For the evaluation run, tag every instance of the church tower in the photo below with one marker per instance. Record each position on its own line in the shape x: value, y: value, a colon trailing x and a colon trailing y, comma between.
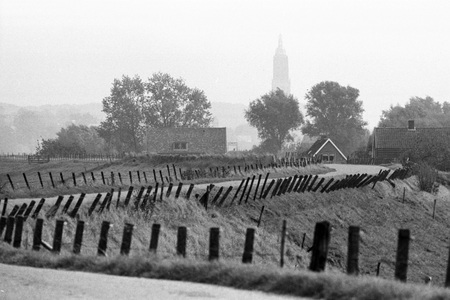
x: 281, y: 69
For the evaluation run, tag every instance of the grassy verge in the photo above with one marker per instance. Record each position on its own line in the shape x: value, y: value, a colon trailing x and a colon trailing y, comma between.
x: 250, y: 277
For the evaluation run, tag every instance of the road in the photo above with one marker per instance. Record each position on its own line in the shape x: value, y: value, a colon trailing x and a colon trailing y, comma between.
x: 25, y: 283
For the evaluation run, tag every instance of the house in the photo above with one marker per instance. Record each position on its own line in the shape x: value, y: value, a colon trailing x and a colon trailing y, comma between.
x: 186, y: 140
x: 390, y: 143
x: 326, y: 151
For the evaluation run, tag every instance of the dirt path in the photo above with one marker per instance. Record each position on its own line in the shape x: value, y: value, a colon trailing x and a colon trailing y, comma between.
x: 23, y: 283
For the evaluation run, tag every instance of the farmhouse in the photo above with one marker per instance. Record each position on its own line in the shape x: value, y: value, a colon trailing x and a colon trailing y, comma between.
x: 186, y: 140
x: 390, y: 143
x: 326, y: 151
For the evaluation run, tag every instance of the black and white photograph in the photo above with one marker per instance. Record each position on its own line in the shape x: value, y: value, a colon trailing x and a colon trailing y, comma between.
x: 225, y: 149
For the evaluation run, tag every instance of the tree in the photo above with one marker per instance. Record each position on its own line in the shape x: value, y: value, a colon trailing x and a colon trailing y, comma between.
x: 335, y: 111
x: 124, y: 125
x: 426, y: 112
x: 274, y: 115
x: 73, y: 139
x: 170, y: 103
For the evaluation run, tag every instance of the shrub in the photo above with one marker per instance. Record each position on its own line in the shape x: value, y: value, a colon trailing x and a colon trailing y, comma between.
x: 427, y: 176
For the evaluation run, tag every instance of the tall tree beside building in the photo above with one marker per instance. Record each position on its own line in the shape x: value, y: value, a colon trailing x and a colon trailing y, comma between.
x: 169, y: 102
x: 426, y: 112
x: 335, y: 110
x: 124, y: 126
x: 274, y: 115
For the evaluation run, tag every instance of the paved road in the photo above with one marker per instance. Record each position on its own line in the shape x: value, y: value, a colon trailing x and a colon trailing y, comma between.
x: 23, y: 283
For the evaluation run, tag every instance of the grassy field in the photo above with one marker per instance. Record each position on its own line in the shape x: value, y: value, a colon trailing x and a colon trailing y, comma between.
x: 380, y: 212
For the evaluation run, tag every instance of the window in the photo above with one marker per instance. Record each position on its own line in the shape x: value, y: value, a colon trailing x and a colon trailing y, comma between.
x: 331, y: 157
x: 325, y: 157
x: 180, y: 146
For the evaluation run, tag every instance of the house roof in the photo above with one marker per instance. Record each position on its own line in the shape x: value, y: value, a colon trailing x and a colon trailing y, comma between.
x: 319, y: 144
x: 403, y: 138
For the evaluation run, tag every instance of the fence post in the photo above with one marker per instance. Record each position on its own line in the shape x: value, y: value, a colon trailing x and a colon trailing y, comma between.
x: 37, y: 235
x: 257, y: 186
x: 181, y: 241
x: 62, y: 178
x: 250, y: 189
x: 126, y: 239
x: 74, y: 179
x: 57, y: 238
x: 9, y: 229
x: 434, y: 208
x: 74, y: 212
x: 103, y: 242
x: 188, y: 195
x: 154, y: 237
x: 401, y: 262
x: 353, y: 251
x: 214, y: 235
x: 78, y: 237
x: 38, y: 209
x: 139, y: 176
x: 67, y: 205
x: 84, y: 178
x: 10, y: 181
x: 3, y: 221
x: 40, y: 179
x: 169, y: 190
x: 161, y: 175
x: 18, y: 232
x: 248, y: 249
x: 320, y: 246
x: 243, y: 191
x: 51, y: 179
x: 177, y: 193
x: 154, y: 175
x: 175, y: 172
x: 283, y: 240
x: 26, y: 180
x: 260, y: 216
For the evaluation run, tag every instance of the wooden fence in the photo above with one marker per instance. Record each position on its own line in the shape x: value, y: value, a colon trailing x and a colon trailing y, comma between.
x: 13, y: 227
x: 163, y: 176
x: 36, y: 159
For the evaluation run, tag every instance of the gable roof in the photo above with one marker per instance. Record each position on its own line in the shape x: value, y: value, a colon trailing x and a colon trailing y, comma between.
x: 403, y: 138
x: 319, y: 144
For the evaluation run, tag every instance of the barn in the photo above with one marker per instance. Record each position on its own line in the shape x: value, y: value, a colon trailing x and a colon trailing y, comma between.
x: 186, y: 140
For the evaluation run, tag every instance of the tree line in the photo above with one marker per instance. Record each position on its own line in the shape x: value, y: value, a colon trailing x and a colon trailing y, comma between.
x: 163, y: 101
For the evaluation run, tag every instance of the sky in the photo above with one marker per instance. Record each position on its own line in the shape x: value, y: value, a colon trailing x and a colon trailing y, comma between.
x: 57, y: 52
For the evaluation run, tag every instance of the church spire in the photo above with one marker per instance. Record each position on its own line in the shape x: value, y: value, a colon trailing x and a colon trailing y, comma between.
x: 281, y: 69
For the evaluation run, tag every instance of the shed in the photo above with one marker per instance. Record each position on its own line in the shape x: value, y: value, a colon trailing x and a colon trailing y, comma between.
x: 326, y: 151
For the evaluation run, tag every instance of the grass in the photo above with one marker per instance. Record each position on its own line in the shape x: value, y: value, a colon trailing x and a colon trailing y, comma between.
x: 380, y: 212
x: 250, y: 277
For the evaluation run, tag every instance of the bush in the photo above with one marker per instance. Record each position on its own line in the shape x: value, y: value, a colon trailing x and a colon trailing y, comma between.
x: 427, y: 177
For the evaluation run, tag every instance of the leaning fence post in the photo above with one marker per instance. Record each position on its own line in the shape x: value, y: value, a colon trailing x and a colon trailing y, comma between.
x: 181, y: 241
x: 434, y: 208
x: 401, y: 262
x: 9, y: 229
x: 260, y: 216
x: 154, y: 237
x: 26, y: 180
x: 177, y: 193
x: 353, y: 250
x: 126, y: 239
x: 57, y: 238
x: 103, y: 242
x: 248, y: 248
x: 18, y: 232
x: 214, y: 235
x: 320, y: 246
x: 10, y: 181
x: 40, y: 179
x: 78, y: 237
x: 37, y: 235
x: 283, y: 240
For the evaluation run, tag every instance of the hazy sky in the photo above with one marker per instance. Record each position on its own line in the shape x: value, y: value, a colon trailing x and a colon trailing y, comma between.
x: 54, y: 52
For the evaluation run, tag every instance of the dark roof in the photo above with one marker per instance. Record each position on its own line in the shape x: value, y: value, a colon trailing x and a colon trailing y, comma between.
x: 319, y: 144
x: 403, y: 138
